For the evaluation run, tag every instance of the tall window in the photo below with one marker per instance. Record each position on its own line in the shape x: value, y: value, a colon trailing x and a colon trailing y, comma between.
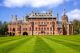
x: 13, y: 29
x: 42, y: 23
x: 47, y: 22
x: 10, y: 29
x: 25, y: 28
x: 47, y: 28
x: 44, y: 28
x: 41, y: 28
x: 51, y: 28
x: 36, y: 29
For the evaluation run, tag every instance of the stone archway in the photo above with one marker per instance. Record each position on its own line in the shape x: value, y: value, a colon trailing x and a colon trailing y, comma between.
x: 42, y: 33
x: 25, y: 33
x: 11, y: 34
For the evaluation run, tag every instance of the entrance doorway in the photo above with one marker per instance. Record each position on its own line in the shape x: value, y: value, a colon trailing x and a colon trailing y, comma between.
x: 43, y: 32
x: 25, y: 33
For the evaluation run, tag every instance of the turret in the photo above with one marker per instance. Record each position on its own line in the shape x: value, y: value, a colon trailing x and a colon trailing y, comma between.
x: 64, y: 18
x: 50, y: 12
x: 14, y: 18
x: 64, y: 22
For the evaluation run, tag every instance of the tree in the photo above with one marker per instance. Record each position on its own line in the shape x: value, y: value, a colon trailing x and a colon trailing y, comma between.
x: 3, y: 29
x: 0, y: 23
x: 76, y: 25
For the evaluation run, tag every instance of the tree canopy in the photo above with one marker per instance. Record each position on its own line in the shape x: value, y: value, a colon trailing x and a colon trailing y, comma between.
x: 76, y: 25
x: 3, y: 28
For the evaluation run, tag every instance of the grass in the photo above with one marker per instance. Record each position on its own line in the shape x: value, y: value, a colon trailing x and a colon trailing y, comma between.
x: 40, y: 44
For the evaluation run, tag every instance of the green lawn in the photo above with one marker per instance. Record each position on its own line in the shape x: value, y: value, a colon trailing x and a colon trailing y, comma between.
x: 40, y: 44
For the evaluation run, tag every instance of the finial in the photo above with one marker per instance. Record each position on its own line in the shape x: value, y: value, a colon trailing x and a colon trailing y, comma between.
x: 14, y: 16
x: 64, y: 12
x: 57, y: 15
x: 33, y: 11
x: 50, y: 10
x: 24, y: 19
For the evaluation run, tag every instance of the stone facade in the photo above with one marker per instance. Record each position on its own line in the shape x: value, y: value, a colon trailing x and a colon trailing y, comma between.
x: 40, y: 24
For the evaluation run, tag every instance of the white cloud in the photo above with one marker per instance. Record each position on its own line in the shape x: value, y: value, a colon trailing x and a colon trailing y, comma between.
x: 74, y: 14
x: 33, y: 3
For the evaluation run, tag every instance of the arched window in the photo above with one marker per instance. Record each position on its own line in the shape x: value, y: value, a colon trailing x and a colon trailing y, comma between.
x: 13, y: 29
x: 25, y: 33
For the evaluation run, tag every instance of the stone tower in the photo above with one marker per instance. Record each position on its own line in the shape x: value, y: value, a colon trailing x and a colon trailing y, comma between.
x: 64, y: 22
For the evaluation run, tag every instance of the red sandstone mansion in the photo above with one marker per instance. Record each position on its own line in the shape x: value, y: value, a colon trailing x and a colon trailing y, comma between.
x: 40, y: 24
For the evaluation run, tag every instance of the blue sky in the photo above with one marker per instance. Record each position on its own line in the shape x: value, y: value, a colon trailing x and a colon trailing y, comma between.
x: 24, y: 7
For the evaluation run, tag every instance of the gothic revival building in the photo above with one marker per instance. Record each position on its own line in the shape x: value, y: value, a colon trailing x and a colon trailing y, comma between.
x: 40, y: 24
